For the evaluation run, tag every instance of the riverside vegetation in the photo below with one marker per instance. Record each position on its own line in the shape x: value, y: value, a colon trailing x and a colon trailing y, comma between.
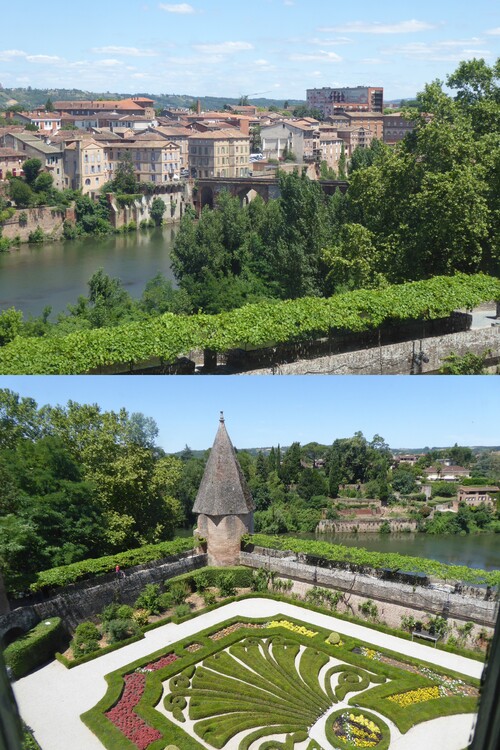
x: 426, y: 208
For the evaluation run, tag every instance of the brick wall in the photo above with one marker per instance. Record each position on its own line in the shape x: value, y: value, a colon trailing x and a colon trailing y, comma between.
x: 49, y: 219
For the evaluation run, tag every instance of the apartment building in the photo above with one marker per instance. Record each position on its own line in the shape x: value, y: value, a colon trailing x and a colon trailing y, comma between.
x: 136, y: 105
x: 330, y: 144
x: 297, y: 136
x: 86, y: 165
x: 221, y: 153
x: 348, y: 99
x: 178, y: 135
x: 32, y: 147
x: 46, y: 122
x: 154, y: 160
x: 10, y: 162
x: 396, y: 127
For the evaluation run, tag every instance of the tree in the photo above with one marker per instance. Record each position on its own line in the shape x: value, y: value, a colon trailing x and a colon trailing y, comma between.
x: 157, y: 210
x: 291, y: 467
x: 21, y: 193
x: 342, y: 163
x: 11, y: 325
x: 49, y: 106
x: 31, y: 169
x: 468, y: 364
x: 125, y: 180
x: 43, y: 183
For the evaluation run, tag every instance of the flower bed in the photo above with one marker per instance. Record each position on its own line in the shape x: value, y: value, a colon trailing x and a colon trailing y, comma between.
x: 123, y: 716
x: 232, y: 628
x: 300, y: 629
x: 348, y: 729
x: 410, y: 697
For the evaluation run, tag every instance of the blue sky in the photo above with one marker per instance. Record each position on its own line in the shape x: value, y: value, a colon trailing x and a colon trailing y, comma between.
x: 264, y: 411
x: 222, y: 47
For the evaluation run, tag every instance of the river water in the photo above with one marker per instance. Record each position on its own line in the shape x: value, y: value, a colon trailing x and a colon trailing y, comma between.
x: 56, y: 273
x: 474, y: 550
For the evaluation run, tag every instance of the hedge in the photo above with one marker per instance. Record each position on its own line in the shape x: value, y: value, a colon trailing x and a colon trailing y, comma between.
x: 339, y: 743
x: 243, y: 577
x: 170, y: 336
x: 36, y: 647
x: 66, y: 574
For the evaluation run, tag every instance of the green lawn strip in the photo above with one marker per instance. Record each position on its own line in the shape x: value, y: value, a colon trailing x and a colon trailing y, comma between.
x: 292, y: 738
x: 337, y: 742
x: 310, y: 665
x: 219, y: 730
x: 266, y: 667
x: 283, y: 656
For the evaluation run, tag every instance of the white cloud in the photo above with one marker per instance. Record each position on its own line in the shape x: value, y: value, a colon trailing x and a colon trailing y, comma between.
x: 451, y: 51
x: 494, y: 32
x: 49, y: 59
x: 375, y: 27
x: 109, y: 63
x: 322, y: 56
x: 331, y: 42
x: 183, y: 8
x: 223, y: 48
x: 9, y: 54
x: 128, y: 51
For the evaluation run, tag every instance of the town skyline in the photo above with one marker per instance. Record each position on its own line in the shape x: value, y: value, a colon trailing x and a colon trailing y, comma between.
x: 276, y: 48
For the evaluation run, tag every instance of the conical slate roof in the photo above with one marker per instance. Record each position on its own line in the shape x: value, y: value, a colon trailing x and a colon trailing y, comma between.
x: 223, y: 489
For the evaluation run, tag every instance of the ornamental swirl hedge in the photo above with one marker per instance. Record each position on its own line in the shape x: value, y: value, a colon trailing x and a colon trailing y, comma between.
x: 266, y: 323
x: 362, y: 558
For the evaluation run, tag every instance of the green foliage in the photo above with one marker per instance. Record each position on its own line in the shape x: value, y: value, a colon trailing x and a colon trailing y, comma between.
x: 149, y: 599
x: 37, y: 236
x: 169, y: 336
x: 467, y: 364
x: 31, y: 169
x: 20, y: 192
x: 226, y: 584
x: 178, y: 591
x: 11, y: 322
x: 157, y: 210
x: 86, y: 639
x: 121, y: 629
x: 34, y: 648
x: 356, y: 556
x: 182, y: 610
x: 369, y: 609
x: 125, y: 180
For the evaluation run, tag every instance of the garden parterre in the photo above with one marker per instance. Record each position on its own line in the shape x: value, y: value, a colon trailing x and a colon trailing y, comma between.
x: 261, y: 679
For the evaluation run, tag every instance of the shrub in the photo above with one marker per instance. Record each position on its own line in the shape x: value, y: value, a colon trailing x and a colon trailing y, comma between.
x: 119, y: 629
x: 333, y: 638
x: 110, y: 612
x: 149, y: 598
x: 209, y: 598
x: 23, y: 219
x: 179, y: 590
x: 70, y: 231
x: 369, y: 609
x: 124, y: 612
x: 226, y: 584
x: 36, y: 647
x: 86, y: 639
x: 166, y: 600
x: 37, y: 236
x: 141, y: 617
x: 182, y: 610
x: 157, y: 210
x: 260, y: 580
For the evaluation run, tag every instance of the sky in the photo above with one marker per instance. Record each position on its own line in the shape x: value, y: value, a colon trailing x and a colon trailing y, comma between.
x: 260, y: 411
x: 277, y: 48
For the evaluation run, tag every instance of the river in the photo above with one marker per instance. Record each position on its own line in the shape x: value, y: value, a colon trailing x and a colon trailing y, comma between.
x: 474, y: 550
x: 56, y: 273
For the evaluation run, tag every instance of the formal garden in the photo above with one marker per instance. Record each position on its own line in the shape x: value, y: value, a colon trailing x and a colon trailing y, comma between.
x: 266, y: 684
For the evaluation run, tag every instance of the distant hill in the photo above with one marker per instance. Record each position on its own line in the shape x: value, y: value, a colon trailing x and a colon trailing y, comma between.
x: 31, y: 98
x: 320, y: 448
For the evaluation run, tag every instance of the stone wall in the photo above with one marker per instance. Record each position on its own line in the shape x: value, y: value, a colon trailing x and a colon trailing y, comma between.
x: 365, y: 525
x: 176, y: 196
x: 50, y: 220
x: 417, y: 599
x: 84, y: 599
x: 394, y: 359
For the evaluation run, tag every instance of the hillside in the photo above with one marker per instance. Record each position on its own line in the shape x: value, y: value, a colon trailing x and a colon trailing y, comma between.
x: 31, y: 98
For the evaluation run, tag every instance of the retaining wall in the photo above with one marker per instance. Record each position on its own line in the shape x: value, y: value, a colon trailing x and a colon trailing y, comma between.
x: 85, y: 599
x: 462, y: 607
x: 48, y: 218
x: 365, y: 525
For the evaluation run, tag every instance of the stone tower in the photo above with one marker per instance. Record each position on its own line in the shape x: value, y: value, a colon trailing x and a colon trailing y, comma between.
x: 224, y: 503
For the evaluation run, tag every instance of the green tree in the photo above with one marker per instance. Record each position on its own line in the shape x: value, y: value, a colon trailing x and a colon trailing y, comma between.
x: 125, y: 180
x: 11, y: 325
x: 157, y: 210
x: 21, y: 193
x: 291, y: 467
x: 31, y: 169
x: 43, y: 183
x: 468, y: 364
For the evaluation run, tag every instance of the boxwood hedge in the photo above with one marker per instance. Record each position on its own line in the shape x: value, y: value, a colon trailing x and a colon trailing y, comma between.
x: 37, y: 646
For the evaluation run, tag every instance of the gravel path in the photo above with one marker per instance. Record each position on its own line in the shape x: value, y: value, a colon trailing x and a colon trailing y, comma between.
x: 52, y: 699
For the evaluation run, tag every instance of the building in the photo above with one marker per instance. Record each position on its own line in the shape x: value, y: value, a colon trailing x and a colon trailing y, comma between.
x: 445, y: 472
x: 296, y: 136
x: 475, y: 496
x: 86, y: 166
x: 136, y: 105
x: 155, y: 160
x: 46, y: 122
x: 223, y: 153
x: 10, y: 161
x: 396, y: 127
x: 224, y: 503
x: 177, y: 134
x: 349, y: 99
x: 31, y: 146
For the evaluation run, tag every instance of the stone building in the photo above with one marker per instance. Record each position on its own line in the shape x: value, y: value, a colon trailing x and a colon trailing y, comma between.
x: 224, y: 503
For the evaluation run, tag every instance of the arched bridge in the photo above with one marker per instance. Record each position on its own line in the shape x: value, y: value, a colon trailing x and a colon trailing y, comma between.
x: 243, y: 187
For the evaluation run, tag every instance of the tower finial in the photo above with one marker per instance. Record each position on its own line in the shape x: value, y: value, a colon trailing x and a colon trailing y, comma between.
x: 221, y: 418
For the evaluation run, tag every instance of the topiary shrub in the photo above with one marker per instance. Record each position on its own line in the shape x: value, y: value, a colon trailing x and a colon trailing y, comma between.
x: 333, y: 638
x: 37, y: 646
x: 119, y: 630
